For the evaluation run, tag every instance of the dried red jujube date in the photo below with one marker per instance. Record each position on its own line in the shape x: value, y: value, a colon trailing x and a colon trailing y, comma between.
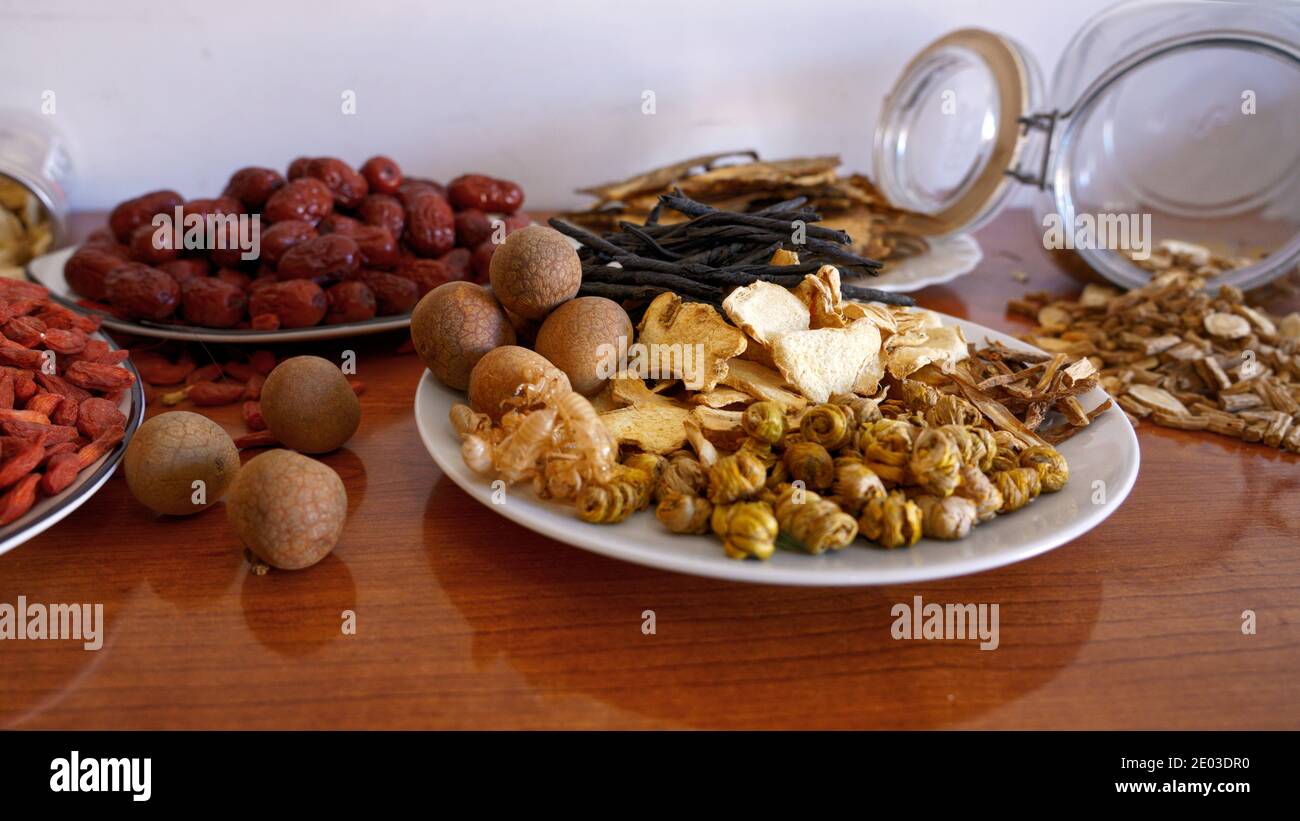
x: 328, y: 257
x: 252, y: 186
x: 458, y: 264
x: 212, y: 206
x: 296, y: 303
x: 472, y: 227
x: 378, y: 247
x: 382, y: 174
x: 212, y: 303
x: 485, y: 193
x: 142, y: 292
x: 351, y: 301
x: 481, y: 261
x: 347, y: 186
x: 338, y: 224
x: 306, y: 199
x: 384, y: 211
x: 282, y: 236
x: 427, y: 274
x: 133, y: 213
x: 87, y: 270
x: 297, y: 168
x: 430, y: 225
x: 154, y: 245
x: 188, y: 268
x: 393, y: 294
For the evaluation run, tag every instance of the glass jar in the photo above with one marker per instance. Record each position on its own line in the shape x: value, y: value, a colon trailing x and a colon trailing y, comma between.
x: 1176, y: 120
x: 35, y: 155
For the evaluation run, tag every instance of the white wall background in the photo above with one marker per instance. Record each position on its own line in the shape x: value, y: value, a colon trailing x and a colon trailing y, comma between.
x: 179, y: 94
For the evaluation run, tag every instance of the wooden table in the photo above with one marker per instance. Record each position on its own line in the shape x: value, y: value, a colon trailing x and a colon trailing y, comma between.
x: 465, y: 620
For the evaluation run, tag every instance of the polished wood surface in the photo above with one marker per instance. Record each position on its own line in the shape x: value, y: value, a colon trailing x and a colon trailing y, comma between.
x: 465, y: 620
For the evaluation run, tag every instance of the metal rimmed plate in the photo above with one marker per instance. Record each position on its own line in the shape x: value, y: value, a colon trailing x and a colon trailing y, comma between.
x: 1103, y: 462
x: 48, y: 271
x: 50, y: 510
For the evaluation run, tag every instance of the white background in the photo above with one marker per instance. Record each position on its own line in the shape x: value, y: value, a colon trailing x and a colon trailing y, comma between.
x: 180, y: 94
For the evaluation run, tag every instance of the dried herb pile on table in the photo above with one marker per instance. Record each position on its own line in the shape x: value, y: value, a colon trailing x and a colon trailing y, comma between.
x: 1182, y: 357
x: 740, y: 181
x: 714, y: 251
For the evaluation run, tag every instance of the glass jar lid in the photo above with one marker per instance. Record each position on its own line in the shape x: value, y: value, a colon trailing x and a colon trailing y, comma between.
x: 952, y: 127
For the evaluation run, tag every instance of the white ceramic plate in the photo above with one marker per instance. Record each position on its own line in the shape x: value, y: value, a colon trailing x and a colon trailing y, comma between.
x: 1106, y: 452
x: 48, y: 271
x: 50, y: 510
x: 946, y: 259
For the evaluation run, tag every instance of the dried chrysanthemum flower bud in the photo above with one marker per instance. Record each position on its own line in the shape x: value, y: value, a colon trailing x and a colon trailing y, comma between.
x: 827, y: 425
x: 760, y: 450
x: 651, y: 463
x: 887, y: 442
x: 765, y: 421
x: 855, y: 483
x: 950, y: 518
x: 1053, y: 472
x: 1018, y: 486
x: 952, y: 410
x: 860, y: 408
x: 684, y: 514
x: 811, y: 464
x: 746, y: 529
x: 979, y: 489
x: 978, y: 446
x: 1007, y: 455
x: 683, y: 474
x: 735, y: 477
x: 817, y: 524
x: 918, y: 396
x: 891, y: 521
x: 935, y: 462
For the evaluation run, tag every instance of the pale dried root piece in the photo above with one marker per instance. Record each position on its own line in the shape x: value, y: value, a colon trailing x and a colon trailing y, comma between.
x: 891, y: 521
x: 626, y: 492
x: 764, y: 421
x: 681, y: 513
x: 979, y: 488
x: 949, y: 519
x: 746, y: 529
x: 682, y: 474
x: 860, y: 408
x: 855, y: 483
x: 704, y: 449
x: 1053, y: 471
x: 828, y: 425
x: 935, y: 462
x: 1018, y: 486
x: 811, y: 464
x: 817, y: 524
x: 738, y: 476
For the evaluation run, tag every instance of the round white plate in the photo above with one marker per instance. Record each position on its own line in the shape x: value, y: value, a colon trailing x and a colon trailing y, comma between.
x: 48, y: 271
x: 1105, y: 452
x: 946, y: 259
x: 50, y: 510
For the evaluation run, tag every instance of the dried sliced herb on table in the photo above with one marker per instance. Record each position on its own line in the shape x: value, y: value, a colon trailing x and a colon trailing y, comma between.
x: 714, y: 251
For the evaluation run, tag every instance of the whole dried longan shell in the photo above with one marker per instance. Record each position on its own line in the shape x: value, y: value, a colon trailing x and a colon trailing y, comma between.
x: 501, y: 372
x: 309, y: 406
x: 452, y: 328
x: 573, y: 335
x: 535, y: 270
x: 288, y: 509
x: 172, y: 451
